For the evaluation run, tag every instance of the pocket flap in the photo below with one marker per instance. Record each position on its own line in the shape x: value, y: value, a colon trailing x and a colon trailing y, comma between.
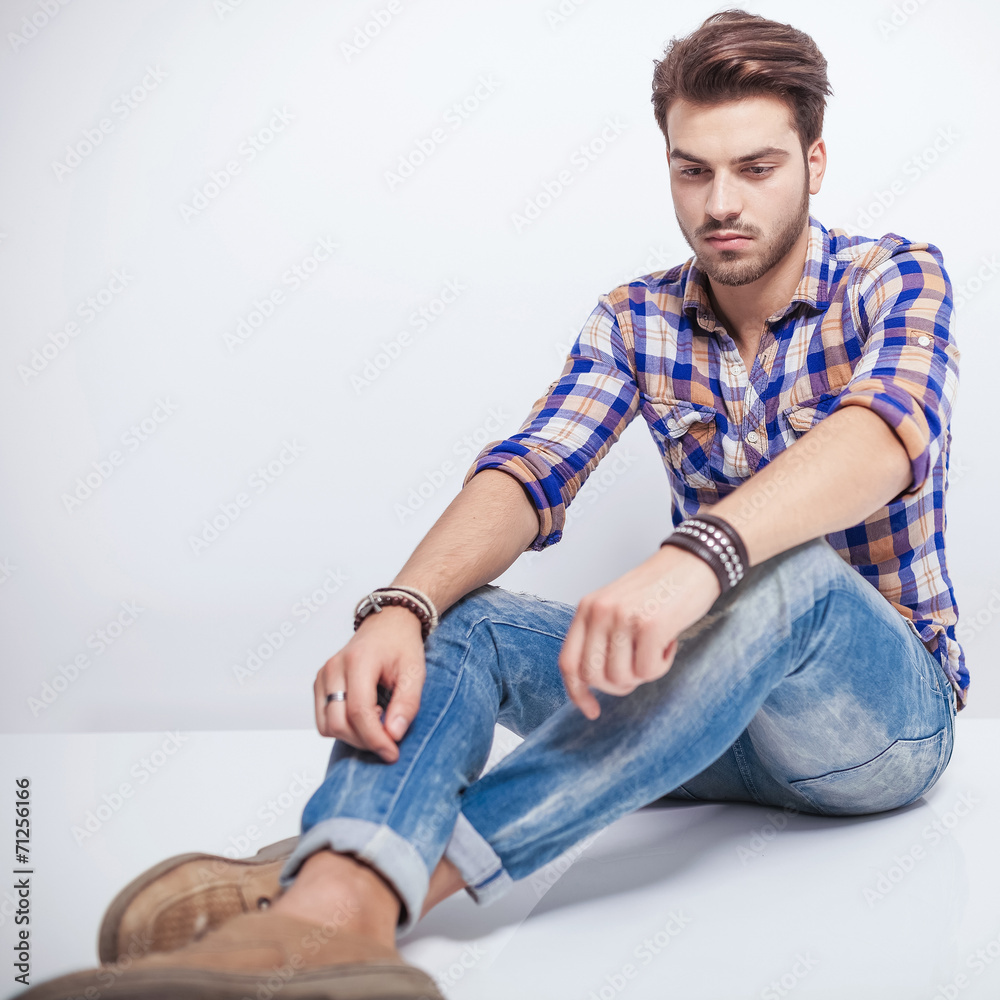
x: 679, y: 415
x: 802, y: 416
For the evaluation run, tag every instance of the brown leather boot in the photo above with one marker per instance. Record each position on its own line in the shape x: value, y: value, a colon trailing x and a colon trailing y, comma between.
x: 183, y: 898
x: 255, y: 955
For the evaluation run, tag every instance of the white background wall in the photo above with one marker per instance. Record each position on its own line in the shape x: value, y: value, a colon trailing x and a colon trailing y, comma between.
x: 208, y: 77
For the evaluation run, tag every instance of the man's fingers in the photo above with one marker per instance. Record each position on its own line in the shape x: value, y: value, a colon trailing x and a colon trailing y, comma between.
x: 355, y: 719
x: 581, y: 695
x: 319, y: 697
x: 365, y: 718
x: 316, y: 711
x: 607, y: 657
x: 592, y: 668
x: 579, y: 666
x: 363, y: 714
x: 572, y: 647
x: 620, y: 670
x: 331, y: 716
x: 669, y: 653
x: 650, y: 655
x: 405, y: 701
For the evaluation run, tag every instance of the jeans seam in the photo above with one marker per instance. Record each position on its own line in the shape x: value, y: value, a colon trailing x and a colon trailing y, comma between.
x: 824, y: 810
x: 950, y: 712
x: 745, y: 771
x: 517, y: 625
x: 943, y: 759
x: 492, y: 877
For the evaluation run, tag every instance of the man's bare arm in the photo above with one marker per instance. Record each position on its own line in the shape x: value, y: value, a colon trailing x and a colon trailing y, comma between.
x: 840, y: 471
x: 477, y: 537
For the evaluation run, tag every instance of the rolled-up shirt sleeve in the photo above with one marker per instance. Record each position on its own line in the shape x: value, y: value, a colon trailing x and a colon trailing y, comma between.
x: 573, y: 425
x: 908, y: 370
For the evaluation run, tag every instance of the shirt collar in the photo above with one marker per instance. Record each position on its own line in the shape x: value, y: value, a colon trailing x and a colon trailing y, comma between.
x: 813, y: 289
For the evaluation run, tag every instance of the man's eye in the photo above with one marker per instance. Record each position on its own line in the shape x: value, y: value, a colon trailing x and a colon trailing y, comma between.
x: 761, y: 171
x: 690, y: 171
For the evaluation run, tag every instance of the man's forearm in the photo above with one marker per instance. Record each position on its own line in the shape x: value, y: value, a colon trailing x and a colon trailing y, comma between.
x: 479, y: 534
x: 838, y: 473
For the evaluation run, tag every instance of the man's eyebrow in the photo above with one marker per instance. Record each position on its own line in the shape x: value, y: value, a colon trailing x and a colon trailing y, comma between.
x: 767, y: 152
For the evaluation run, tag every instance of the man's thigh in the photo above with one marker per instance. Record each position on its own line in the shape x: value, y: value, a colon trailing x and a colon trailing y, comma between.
x: 866, y: 724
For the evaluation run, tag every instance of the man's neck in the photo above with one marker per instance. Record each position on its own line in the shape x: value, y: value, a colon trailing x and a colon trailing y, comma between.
x: 743, y: 309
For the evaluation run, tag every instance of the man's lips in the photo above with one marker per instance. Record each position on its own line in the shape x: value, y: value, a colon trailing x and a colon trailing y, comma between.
x: 728, y: 241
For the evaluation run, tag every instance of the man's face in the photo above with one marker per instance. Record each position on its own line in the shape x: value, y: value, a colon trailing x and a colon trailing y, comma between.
x: 740, y: 185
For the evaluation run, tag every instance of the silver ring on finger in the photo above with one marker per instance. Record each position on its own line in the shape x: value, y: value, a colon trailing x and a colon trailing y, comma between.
x: 336, y: 696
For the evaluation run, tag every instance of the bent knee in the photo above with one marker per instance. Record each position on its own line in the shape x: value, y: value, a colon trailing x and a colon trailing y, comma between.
x: 506, y: 607
x: 472, y: 607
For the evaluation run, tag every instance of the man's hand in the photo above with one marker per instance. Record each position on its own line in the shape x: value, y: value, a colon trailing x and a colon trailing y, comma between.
x: 626, y: 633
x: 387, y: 648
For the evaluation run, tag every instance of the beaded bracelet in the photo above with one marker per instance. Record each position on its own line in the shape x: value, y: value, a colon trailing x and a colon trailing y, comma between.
x: 407, y: 597
x: 717, y: 542
x: 420, y: 597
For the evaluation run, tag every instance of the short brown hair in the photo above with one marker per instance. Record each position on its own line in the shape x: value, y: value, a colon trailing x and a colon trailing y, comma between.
x: 733, y: 55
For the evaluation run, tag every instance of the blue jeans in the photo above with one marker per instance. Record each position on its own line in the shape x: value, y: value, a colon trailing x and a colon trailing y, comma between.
x: 802, y: 688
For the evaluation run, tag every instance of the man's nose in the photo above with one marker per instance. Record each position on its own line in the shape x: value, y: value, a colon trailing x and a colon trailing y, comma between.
x: 724, y: 201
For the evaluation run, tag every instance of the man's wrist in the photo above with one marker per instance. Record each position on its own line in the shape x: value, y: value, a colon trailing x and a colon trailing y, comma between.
x: 398, y: 595
x: 391, y: 614
x: 693, y: 568
x: 714, y: 540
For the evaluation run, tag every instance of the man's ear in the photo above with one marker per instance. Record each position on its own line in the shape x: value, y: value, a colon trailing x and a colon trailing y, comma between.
x: 816, y: 164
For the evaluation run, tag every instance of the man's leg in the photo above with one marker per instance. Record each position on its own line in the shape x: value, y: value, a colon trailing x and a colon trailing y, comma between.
x: 175, y: 902
x: 808, y: 690
x: 850, y: 712
x: 333, y: 932
x: 493, y: 658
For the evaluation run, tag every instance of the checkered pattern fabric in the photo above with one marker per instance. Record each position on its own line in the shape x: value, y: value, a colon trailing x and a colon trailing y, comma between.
x: 868, y: 325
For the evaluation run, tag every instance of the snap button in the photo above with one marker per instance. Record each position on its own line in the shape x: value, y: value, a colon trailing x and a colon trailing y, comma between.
x: 923, y: 341
x: 752, y: 437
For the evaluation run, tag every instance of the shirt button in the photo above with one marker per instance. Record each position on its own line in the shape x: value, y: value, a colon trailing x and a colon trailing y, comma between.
x: 752, y: 437
x: 923, y: 341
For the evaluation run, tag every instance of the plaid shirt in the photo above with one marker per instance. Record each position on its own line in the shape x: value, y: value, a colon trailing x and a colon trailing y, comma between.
x: 868, y: 325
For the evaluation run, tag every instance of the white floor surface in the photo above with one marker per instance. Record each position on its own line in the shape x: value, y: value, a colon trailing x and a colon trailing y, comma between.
x: 700, y: 901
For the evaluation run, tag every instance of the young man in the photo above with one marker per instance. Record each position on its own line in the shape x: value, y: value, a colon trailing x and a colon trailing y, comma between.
x: 793, y: 645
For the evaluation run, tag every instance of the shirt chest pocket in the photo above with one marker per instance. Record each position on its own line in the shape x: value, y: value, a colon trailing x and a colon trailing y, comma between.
x: 798, y: 418
x: 685, y: 432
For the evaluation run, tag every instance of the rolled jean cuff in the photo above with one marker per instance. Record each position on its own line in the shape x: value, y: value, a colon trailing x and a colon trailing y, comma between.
x: 395, y: 859
x: 482, y: 871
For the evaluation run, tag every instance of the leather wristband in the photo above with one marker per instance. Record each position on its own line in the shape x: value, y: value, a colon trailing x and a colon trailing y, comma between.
x: 711, y: 538
x: 733, y: 537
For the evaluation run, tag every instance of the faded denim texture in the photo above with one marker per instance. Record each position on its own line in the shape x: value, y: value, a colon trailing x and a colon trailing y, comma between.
x: 802, y: 687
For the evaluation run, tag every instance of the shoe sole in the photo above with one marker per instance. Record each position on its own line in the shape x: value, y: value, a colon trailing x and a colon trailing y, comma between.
x: 354, y: 981
x: 107, y: 937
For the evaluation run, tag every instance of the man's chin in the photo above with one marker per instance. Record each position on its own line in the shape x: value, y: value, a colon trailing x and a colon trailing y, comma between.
x: 735, y: 273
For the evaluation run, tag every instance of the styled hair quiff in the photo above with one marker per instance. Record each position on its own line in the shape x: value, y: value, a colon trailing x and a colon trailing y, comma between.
x: 734, y: 54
